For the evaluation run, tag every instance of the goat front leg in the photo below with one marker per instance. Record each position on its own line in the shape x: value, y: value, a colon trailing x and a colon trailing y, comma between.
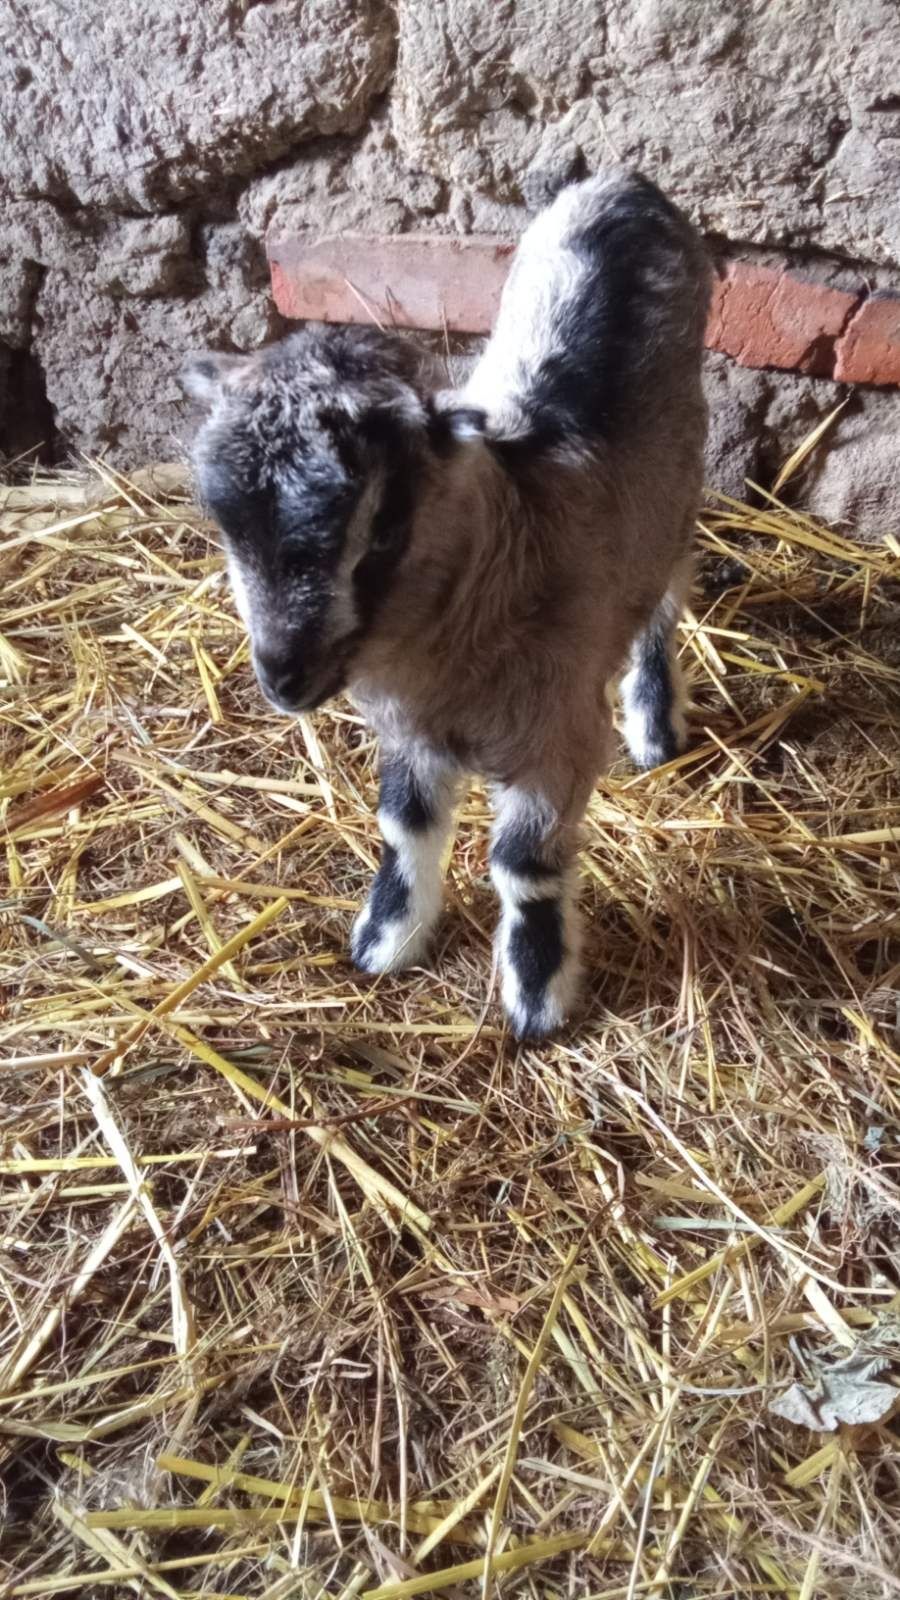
x: 538, y: 940
x: 415, y: 813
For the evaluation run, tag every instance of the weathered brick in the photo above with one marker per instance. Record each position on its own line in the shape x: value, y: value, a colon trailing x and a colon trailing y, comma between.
x: 869, y: 350
x: 766, y: 318
x: 407, y: 281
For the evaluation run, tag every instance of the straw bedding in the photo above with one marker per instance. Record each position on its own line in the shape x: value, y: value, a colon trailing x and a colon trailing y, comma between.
x: 316, y: 1285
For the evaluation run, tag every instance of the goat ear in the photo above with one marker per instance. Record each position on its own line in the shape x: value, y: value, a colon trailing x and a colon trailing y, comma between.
x: 454, y: 424
x: 466, y: 422
x: 395, y: 420
x: 202, y: 376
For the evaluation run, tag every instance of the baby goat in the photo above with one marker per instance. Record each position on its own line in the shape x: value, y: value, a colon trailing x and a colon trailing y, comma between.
x: 478, y: 566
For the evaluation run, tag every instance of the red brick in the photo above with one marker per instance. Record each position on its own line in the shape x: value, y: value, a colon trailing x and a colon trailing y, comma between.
x: 766, y: 318
x: 869, y: 350
x: 408, y: 281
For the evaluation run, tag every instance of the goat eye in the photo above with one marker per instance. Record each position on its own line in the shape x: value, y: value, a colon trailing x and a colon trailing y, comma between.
x: 382, y: 536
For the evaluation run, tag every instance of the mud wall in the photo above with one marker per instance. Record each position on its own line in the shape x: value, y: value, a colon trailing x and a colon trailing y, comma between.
x: 149, y: 150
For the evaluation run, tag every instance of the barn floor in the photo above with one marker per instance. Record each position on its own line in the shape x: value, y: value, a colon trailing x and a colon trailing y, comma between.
x: 318, y: 1286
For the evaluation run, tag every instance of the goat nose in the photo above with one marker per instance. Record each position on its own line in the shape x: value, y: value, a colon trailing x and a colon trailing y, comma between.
x: 277, y: 678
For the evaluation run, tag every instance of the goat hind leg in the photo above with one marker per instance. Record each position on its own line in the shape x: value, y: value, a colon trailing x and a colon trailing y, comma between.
x: 653, y: 696
x: 415, y: 813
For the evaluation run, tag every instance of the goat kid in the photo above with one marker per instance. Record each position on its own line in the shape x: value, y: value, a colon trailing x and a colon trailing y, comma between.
x: 477, y: 567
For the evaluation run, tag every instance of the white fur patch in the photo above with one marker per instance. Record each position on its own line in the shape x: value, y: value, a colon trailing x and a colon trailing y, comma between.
x: 638, y: 728
x: 515, y: 889
x: 529, y: 816
x: 240, y: 588
x: 400, y: 944
x: 559, y: 996
x: 545, y: 277
x: 404, y: 941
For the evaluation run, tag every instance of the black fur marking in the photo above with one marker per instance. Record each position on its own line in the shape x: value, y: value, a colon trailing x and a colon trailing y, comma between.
x: 536, y: 948
x: 391, y: 527
x: 667, y: 745
x: 607, y: 335
x: 388, y: 902
x: 541, y: 185
x: 653, y: 692
x: 355, y: 355
x: 403, y: 798
x: 242, y: 512
x: 371, y: 579
x: 303, y: 519
x: 521, y: 850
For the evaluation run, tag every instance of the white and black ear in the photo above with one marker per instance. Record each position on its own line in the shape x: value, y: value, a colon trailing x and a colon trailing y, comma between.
x: 466, y: 422
x: 399, y: 420
x: 450, y: 423
x: 203, y: 375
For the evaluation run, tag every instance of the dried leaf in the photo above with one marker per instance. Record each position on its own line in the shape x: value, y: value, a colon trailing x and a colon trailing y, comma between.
x: 845, y: 1392
x: 501, y: 1304
x: 63, y: 799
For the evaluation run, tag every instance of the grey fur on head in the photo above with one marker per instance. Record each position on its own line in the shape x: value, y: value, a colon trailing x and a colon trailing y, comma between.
x: 478, y: 566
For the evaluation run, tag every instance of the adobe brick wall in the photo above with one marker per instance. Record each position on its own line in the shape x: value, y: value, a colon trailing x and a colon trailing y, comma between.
x: 868, y: 351
x: 761, y: 316
x: 142, y: 181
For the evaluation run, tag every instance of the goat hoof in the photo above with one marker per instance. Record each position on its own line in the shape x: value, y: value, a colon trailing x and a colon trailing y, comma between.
x: 536, y: 1017
x: 656, y: 750
x: 387, y: 946
x: 529, y: 1027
